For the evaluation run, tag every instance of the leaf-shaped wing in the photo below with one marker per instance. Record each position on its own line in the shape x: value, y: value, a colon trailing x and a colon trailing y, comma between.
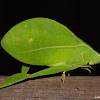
x: 42, y: 41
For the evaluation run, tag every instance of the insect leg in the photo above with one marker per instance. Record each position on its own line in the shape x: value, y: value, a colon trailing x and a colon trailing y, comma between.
x: 85, y: 68
x: 63, y: 77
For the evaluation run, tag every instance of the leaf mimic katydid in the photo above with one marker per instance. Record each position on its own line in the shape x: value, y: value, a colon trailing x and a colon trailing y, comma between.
x: 42, y: 41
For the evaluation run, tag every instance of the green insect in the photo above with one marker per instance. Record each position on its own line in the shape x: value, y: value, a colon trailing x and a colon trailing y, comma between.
x: 42, y: 41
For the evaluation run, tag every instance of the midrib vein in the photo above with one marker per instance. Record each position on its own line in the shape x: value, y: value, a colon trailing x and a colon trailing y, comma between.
x: 51, y: 47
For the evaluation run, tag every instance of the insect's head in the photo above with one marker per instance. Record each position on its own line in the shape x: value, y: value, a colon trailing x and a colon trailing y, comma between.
x: 91, y: 63
x: 95, y: 60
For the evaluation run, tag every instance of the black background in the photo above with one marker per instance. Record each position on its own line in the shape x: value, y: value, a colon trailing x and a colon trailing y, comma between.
x: 80, y: 16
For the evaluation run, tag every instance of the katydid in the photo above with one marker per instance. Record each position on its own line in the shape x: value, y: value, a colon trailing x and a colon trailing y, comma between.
x: 45, y: 42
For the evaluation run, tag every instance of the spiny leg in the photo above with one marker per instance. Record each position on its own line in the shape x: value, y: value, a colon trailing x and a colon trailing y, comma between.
x: 63, y: 77
x: 87, y: 68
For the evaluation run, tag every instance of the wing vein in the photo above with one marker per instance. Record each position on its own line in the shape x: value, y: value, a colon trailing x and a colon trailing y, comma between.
x: 51, y: 48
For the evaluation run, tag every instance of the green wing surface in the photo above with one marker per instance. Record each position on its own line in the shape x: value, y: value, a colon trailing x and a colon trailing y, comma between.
x: 42, y: 41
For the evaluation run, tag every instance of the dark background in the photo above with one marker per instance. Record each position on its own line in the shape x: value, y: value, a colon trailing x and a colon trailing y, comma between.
x: 80, y: 16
